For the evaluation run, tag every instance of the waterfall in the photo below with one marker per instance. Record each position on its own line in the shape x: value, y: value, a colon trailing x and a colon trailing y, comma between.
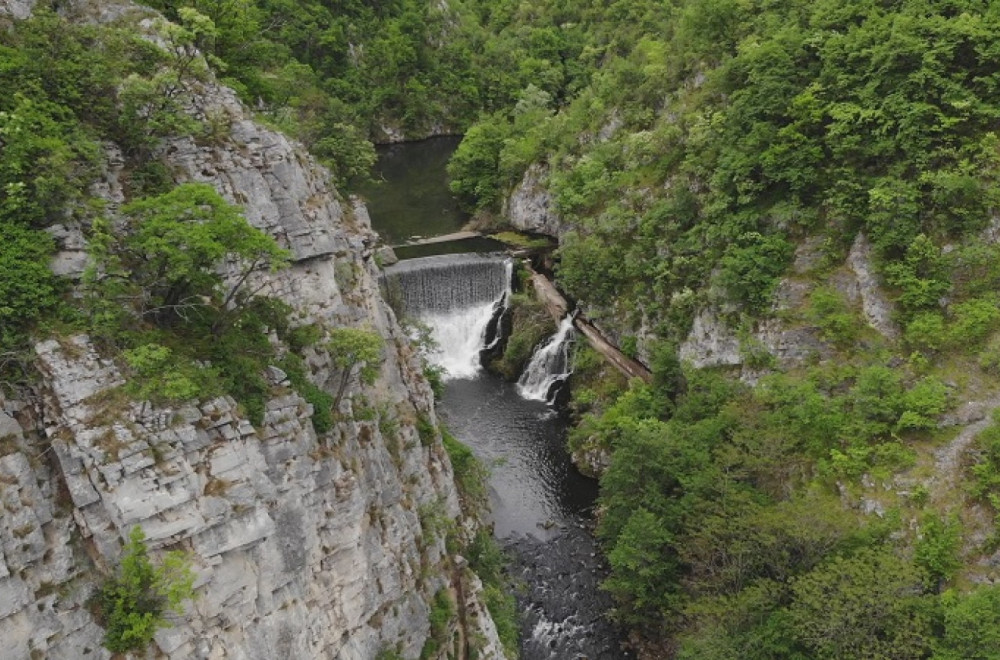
x: 456, y: 296
x: 549, y: 365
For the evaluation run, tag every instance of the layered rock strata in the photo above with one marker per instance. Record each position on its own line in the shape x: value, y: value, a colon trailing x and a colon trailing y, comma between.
x: 304, y: 546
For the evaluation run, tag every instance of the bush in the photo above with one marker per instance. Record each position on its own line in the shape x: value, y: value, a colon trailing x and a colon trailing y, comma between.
x: 28, y: 289
x: 133, y: 604
x: 442, y: 612
x: 971, y: 625
x: 829, y: 311
x: 752, y: 266
x: 354, y: 348
x: 470, y: 475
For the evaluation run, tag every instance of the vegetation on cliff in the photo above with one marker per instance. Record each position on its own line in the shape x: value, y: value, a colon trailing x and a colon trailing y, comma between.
x: 712, y: 146
x: 134, y: 603
x: 700, y: 153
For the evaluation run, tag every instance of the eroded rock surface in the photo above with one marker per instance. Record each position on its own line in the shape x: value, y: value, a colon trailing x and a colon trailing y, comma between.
x: 531, y: 208
x: 305, y: 546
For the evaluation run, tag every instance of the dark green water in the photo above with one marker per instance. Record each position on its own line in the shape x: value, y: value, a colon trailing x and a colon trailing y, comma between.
x: 413, y: 199
x: 541, y: 504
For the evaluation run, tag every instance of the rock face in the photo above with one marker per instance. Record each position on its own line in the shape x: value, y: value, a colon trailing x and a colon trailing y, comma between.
x: 878, y: 310
x: 304, y: 546
x: 16, y: 8
x: 530, y: 207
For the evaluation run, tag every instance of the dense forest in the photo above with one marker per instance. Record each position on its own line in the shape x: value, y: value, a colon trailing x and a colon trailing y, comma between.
x: 717, y: 151
x: 700, y: 154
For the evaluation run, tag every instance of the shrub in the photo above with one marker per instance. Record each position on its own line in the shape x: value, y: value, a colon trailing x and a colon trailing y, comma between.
x: 751, y: 267
x: 132, y: 605
x: 442, y: 612
x: 828, y: 310
x: 470, y: 474
x: 28, y: 289
x: 354, y: 348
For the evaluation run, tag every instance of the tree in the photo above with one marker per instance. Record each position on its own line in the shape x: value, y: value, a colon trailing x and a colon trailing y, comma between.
x: 28, y: 289
x: 645, y: 570
x: 867, y: 606
x: 352, y: 348
x: 971, y: 625
x: 133, y: 604
x: 47, y: 160
x: 474, y: 169
x: 166, y: 262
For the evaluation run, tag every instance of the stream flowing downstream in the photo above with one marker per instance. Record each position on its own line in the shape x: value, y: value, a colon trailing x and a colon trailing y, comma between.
x: 541, y: 505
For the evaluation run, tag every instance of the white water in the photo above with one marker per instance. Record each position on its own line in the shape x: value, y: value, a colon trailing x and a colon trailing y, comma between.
x: 455, y: 296
x: 458, y: 338
x: 549, y: 364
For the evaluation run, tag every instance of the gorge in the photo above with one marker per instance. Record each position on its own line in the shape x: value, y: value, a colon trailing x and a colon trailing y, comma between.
x: 227, y: 430
x: 541, y: 507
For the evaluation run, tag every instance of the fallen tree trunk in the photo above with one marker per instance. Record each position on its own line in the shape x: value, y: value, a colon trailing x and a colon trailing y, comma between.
x: 557, y: 306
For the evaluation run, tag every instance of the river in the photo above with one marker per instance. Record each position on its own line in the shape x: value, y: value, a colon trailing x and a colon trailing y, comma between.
x: 541, y: 505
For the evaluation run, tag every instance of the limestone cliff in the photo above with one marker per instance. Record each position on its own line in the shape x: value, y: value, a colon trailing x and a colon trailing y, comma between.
x: 304, y: 545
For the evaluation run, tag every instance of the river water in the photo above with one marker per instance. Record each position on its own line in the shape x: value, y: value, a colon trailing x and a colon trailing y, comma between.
x: 541, y: 505
x: 410, y: 198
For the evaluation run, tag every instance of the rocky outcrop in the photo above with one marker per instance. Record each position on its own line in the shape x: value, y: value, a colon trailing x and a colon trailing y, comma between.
x: 16, y: 9
x: 531, y: 208
x: 304, y: 546
x: 710, y: 343
x: 877, y: 308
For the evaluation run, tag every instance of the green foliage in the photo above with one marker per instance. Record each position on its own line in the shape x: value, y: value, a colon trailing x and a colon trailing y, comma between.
x: 354, y: 349
x: 321, y: 400
x: 829, y: 311
x: 986, y: 468
x: 866, y: 606
x: 133, y: 604
x: 425, y: 430
x: 473, y: 169
x: 713, y: 506
x: 441, y: 614
x: 159, y: 375
x: 974, y: 321
x: 505, y: 614
x: 971, y: 625
x: 937, y: 550
x: 921, y: 276
x: 644, y: 578
x: 166, y: 261
x: 28, y: 289
x: 488, y: 561
x: 751, y: 267
x: 530, y: 324
x: 48, y: 160
x: 346, y: 153
x: 470, y: 475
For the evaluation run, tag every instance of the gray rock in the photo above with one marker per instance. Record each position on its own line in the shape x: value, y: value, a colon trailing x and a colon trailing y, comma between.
x: 877, y: 308
x: 386, y: 256
x: 276, y: 375
x: 530, y: 207
x: 711, y: 342
x: 9, y: 426
x: 16, y: 8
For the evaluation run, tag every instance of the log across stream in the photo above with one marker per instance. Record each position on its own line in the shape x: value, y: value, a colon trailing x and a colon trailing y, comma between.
x: 558, y: 307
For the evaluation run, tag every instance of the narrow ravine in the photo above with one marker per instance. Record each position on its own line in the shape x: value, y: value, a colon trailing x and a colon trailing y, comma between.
x: 542, y: 507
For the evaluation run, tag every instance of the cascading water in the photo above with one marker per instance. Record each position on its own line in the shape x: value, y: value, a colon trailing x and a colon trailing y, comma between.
x: 549, y: 366
x: 541, y: 505
x: 456, y: 296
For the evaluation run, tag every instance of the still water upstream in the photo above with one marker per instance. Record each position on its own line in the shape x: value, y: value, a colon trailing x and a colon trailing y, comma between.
x: 542, y: 506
